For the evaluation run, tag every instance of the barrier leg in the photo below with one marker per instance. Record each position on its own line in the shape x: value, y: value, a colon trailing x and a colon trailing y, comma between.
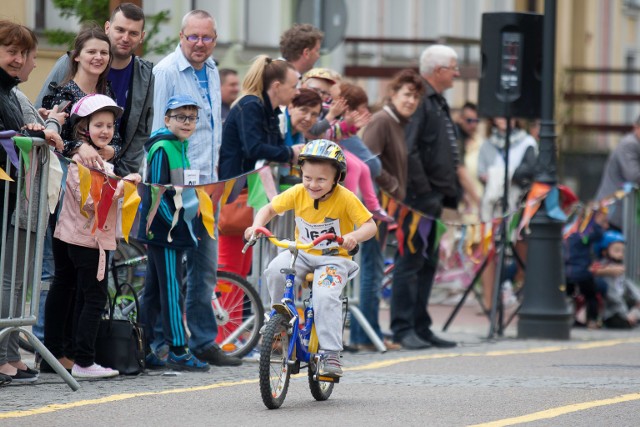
x: 51, y: 360
x: 364, y: 324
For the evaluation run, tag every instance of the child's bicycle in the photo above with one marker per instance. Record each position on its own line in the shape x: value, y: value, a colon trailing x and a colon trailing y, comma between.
x: 286, y: 345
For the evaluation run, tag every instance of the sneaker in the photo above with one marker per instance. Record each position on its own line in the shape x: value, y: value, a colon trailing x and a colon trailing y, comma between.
x: 186, y: 362
x: 93, y: 371
x: 215, y: 356
x: 330, y: 365
x: 153, y: 361
x: 382, y: 215
x: 22, y: 377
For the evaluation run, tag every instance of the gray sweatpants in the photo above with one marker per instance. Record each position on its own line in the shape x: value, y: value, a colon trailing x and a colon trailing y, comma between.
x: 331, y: 274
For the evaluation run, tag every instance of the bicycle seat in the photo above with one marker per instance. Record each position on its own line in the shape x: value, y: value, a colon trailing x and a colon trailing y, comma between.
x: 307, y: 280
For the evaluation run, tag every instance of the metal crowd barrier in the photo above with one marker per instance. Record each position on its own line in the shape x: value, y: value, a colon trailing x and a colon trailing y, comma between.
x: 21, y: 247
x: 631, y: 229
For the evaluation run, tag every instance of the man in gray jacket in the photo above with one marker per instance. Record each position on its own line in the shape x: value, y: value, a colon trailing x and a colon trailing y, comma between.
x: 622, y: 166
x: 132, y: 81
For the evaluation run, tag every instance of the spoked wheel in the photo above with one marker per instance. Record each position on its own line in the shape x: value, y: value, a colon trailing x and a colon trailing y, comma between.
x: 320, y: 390
x: 274, y: 368
x: 239, y: 314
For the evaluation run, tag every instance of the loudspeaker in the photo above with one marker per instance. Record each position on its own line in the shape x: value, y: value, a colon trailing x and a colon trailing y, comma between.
x: 511, y: 54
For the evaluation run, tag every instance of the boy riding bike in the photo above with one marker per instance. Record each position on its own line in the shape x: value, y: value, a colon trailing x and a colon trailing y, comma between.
x: 320, y: 206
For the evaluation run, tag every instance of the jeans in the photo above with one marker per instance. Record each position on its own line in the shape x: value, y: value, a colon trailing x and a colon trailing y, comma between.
x: 371, y: 273
x: 48, y: 271
x: 412, y: 282
x: 202, y: 266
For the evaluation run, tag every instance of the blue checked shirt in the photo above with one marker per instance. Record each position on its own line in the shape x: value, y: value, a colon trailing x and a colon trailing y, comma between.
x: 174, y: 75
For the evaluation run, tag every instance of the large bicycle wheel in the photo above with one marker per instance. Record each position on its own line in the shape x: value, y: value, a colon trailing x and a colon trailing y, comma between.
x: 274, y: 367
x: 320, y: 390
x: 239, y: 314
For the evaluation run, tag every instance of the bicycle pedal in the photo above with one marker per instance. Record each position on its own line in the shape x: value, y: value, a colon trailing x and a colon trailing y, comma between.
x: 326, y: 378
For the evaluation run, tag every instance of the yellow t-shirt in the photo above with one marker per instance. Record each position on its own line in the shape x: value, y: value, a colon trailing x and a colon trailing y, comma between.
x: 341, y: 213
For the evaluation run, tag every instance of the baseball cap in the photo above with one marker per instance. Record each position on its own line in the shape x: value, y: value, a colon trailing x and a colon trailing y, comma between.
x: 322, y: 73
x: 93, y: 103
x: 178, y: 101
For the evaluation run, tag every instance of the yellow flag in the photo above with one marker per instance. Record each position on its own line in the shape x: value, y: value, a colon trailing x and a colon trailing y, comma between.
x: 206, y: 210
x: 415, y: 220
x: 85, y: 185
x: 4, y: 176
x: 129, y: 208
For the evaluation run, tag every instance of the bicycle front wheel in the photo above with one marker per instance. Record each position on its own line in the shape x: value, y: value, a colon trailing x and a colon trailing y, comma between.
x: 275, y: 371
x: 239, y: 314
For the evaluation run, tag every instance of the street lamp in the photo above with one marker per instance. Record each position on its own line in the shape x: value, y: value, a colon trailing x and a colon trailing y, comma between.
x: 544, y: 312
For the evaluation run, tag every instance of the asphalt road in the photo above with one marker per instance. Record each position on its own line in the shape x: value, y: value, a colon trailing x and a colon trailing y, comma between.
x: 592, y: 379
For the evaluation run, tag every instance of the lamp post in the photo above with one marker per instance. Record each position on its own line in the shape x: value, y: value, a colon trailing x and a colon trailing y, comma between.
x: 544, y: 312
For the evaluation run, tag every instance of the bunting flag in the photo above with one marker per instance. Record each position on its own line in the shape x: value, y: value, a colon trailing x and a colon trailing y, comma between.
x: 552, y: 204
x: 190, y: 204
x: 257, y: 197
x: 206, y: 211
x: 440, y: 230
x: 84, y: 175
x: 25, y: 145
x: 129, y: 208
x: 4, y: 176
x: 425, y: 229
x: 55, y: 182
x: 10, y: 148
x: 97, y: 182
x: 156, y: 197
x: 268, y: 183
x: 534, y: 199
x: 106, y: 201
x: 177, y: 201
x: 413, y: 227
x: 404, y: 211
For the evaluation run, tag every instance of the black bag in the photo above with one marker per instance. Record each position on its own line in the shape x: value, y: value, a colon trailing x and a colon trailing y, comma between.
x: 121, y: 343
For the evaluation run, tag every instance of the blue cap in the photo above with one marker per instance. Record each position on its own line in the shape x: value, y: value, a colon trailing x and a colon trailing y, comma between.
x: 178, y: 101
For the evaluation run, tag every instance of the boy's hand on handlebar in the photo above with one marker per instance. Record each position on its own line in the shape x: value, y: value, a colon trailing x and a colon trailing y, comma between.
x: 349, y: 242
x: 248, y: 233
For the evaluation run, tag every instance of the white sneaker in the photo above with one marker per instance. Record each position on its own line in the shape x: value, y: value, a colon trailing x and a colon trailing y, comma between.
x: 93, y: 371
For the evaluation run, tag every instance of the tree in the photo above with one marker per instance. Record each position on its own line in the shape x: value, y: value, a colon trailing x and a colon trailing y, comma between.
x: 88, y: 12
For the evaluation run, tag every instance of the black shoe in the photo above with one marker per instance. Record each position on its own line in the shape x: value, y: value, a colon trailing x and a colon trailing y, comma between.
x: 215, y: 356
x: 30, y: 371
x: 440, y: 343
x: 5, y: 379
x: 22, y: 377
x: 412, y: 341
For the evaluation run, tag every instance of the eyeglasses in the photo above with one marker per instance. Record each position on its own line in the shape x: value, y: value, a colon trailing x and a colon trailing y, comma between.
x: 455, y: 69
x: 195, y: 39
x: 319, y: 91
x: 181, y: 118
x: 469, y: 120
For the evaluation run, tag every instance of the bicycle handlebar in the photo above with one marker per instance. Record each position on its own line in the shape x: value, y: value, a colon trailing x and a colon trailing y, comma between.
x: 286, y: 244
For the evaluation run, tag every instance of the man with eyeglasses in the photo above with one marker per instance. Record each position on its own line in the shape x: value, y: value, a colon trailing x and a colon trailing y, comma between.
x: 433, y: 163
x: 191, y: 71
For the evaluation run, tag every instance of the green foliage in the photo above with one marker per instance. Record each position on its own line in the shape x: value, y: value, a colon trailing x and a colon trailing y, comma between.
x: 87, y: 11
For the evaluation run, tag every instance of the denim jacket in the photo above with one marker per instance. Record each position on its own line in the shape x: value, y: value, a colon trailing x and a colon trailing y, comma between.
x: 251, y: 132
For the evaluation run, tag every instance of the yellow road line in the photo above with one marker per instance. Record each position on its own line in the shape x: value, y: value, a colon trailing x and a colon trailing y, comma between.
x: 368, y: 366
x: 561, y: 410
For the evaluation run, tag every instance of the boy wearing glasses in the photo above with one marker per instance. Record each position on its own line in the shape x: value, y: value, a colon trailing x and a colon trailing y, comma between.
x: 169, y: 235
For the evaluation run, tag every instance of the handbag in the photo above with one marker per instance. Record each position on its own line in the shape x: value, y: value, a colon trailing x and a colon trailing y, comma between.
x: 236, y: 216
x: 120, y: 343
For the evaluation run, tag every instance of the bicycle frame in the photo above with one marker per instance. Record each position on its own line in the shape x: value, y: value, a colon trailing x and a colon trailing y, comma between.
x: 304, y: 343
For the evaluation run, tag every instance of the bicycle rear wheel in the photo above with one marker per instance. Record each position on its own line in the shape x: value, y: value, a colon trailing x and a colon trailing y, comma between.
x: 239, y: 314
x: 275, y: 371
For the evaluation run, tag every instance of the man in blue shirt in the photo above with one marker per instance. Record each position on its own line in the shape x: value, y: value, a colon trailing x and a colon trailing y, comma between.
x: 190, y: 70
